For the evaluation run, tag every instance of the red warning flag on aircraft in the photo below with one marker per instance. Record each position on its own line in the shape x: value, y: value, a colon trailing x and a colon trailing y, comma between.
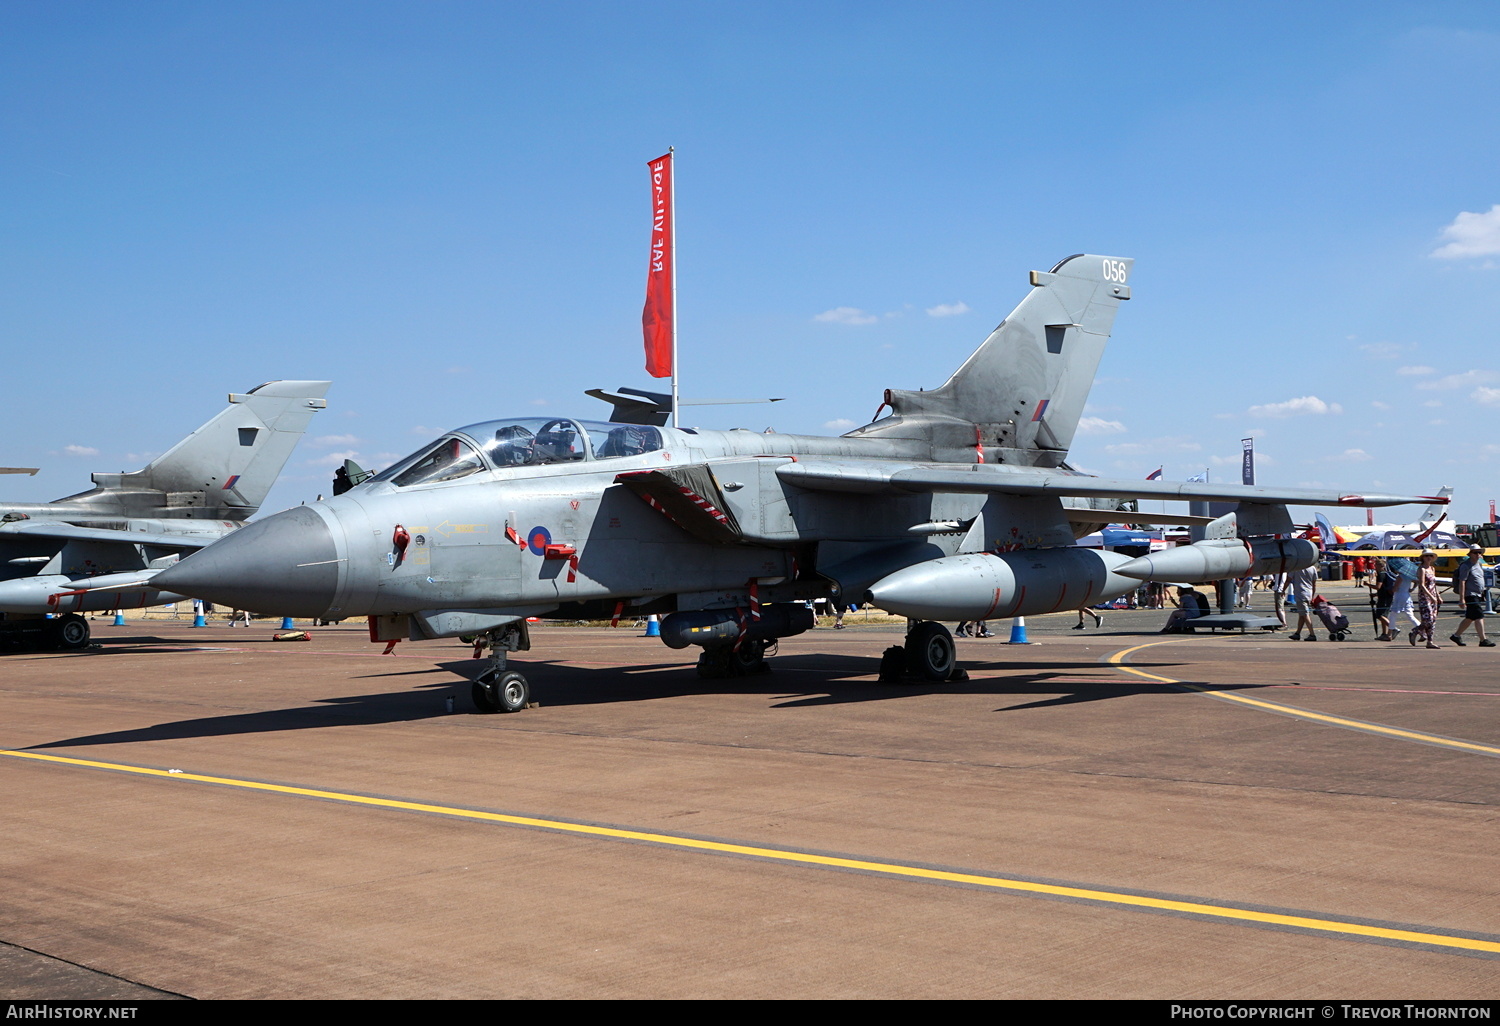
x: 656, y: 318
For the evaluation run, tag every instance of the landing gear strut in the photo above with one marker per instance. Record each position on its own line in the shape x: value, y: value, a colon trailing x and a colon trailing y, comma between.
x: 498, y: 689
x: 929, y: 654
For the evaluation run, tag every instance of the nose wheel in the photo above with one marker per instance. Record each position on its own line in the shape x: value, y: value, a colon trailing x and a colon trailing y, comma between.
x: 495, y: 691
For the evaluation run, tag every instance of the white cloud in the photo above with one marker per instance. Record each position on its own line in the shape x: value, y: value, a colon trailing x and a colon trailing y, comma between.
x: 1295, y: 407
x: 1433, y: 402
x: 1471, y: 235
x: 1154, y: 447
x: 1100, y: 426
x: 1384, y: 350
x: 1380, y: 405
x: 1486, y: 396
x: 1464, y: 380
x: 846, y: 315
x: 1352, y: 456
x: 344, y: 440
x: 80, y: 450
x: 1413, y: 372
x: 948, y: 309
x: 842, y: 424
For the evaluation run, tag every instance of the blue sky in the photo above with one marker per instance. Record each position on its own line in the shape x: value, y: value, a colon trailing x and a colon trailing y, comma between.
x: 442, y: 207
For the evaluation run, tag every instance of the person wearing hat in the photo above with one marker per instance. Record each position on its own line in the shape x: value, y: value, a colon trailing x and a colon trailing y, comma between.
x: 1425, y: 591
x: 1468, y: 581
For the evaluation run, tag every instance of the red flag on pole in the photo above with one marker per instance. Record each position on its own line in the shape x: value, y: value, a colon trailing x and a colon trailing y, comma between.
x: 656, y: 318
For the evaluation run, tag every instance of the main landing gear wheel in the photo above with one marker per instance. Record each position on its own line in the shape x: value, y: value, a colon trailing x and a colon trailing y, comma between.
x: 69, y: 633
x: 724, y: 662
x: 930, y: 653
x: 505, y: 692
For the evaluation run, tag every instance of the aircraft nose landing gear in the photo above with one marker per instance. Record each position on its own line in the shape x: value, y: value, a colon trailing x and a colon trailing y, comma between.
x: 498, y: 689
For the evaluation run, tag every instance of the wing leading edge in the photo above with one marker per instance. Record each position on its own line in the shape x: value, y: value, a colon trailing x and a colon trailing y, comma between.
x: 892, y: 478
x: 68, y: 532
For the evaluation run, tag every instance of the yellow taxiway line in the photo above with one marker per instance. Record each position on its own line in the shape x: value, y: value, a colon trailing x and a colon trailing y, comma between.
x: 1222, y: 913
x: 1118, y: 662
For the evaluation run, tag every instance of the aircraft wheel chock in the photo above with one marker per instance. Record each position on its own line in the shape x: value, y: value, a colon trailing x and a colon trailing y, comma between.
x: 929, y: 651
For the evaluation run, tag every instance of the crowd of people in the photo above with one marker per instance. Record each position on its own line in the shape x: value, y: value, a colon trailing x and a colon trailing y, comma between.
x: 1401, y: 590
x: 1398, y: 588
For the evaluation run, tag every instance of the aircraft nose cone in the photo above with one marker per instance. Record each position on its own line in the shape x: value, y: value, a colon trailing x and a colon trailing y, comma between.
x: 284, y: 565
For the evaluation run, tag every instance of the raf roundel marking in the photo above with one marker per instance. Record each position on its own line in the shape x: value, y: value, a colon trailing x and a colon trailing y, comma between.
x: 537, y: 540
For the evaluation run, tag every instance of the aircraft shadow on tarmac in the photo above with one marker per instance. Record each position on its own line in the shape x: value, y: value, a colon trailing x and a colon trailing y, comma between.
x: 349, y: 710
x: 834, y: 679
x: 561, y: 684
x: 120, y: 644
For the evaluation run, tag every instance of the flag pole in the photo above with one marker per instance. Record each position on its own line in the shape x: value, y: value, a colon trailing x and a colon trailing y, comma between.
x: 672, y: 200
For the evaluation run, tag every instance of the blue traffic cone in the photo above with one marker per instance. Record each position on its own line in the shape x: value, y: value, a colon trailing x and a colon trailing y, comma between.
x: 1018, y: 631
x: 286, y: 623
x: 119, y: 618
x: 199, y: 620
x: 653, y: 626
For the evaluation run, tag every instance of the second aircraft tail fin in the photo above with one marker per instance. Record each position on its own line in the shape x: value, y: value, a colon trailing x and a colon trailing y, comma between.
x: 224, y: 469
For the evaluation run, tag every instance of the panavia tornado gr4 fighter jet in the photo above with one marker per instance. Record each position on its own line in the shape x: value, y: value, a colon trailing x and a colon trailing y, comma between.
x: 101, y: 549
x: 952, y: 507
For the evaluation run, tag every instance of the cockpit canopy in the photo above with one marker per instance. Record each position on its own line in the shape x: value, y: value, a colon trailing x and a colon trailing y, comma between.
x: 524, y: 442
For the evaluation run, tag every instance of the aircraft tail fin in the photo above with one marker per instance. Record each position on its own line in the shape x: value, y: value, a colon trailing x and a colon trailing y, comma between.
x: 1437, y: 510
x: 224, y: 469
x: 1020, y: 396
